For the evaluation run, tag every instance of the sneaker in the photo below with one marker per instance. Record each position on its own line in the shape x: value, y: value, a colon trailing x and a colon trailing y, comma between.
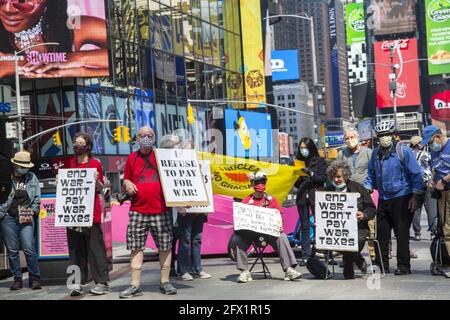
x: 76, y: 291
x: 291, y: 274
x: 167, y: 288
x: 131, y: 292
x: 204, y: 275
x: 35, y: 284
x: 186, y: 277
x: 417, y: 236
x: 245, y: 277
x: 100, y: 288
x: 401, y: 272
x: 363, y: 267
x: 303, y: 262
x: 412, y: 255
x: 17, y: 285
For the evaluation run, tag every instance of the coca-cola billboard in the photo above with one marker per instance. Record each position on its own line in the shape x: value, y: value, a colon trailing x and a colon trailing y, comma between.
x: 406, y: 64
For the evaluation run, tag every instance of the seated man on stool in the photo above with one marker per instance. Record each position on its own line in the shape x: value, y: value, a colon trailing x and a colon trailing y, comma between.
x: 281, y: 244
x: 339, y: 173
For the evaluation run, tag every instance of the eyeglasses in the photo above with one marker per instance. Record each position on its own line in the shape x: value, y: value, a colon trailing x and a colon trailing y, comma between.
x: 76, y: 143
x: 21, y: 5
x: 146, y: 135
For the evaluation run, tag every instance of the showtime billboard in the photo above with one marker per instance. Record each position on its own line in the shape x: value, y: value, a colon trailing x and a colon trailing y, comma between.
x: 406, y: 59
x: 74, y: 33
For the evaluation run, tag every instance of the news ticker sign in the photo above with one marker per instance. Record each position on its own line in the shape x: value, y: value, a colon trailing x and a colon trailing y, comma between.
x: 407, y: 70
x: 285, y: 65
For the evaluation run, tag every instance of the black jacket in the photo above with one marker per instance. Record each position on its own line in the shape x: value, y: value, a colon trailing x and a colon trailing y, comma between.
x: 308, y: 185
x: 365, y: 202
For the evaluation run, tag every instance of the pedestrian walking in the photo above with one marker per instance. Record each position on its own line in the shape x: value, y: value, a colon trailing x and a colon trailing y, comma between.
x: 395, y: 173
x: 315, y: 170
x: 17, y: 222
x: 148, y: 212
x: 439, y: 145
x: 86, y: 244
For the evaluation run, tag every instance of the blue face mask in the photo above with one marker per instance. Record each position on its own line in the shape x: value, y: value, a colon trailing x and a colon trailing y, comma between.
x: 339, y: 187
x: 304, y: 152
x: 436, y: 147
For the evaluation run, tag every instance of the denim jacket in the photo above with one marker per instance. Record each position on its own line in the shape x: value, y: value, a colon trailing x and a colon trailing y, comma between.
x: 34, y: 195
x: 392, y: 177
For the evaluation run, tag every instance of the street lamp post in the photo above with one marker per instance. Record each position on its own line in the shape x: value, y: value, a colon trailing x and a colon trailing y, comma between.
x: 314, y: 63
x: 18, y: 97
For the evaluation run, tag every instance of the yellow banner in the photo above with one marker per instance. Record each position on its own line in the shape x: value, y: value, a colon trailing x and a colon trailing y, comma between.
x: 251, y: 30
x: 229, y: 176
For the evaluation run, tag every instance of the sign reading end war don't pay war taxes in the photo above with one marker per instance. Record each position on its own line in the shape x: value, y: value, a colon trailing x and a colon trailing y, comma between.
x: 75, y: 196
x: 181, y: 179
x: 257, y: 219
x: 336, y: 224
x: 205, y: 167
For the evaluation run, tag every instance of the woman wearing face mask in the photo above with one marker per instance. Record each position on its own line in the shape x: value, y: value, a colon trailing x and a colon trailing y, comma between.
x: 339, y: 173
x: 260, y: 198
x: 86, y: 244
x: 315, y: 170
x: 17, y: 223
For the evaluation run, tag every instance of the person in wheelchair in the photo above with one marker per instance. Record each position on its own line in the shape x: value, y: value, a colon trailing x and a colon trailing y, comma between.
x: 339, y: 173
x: 244, y: 239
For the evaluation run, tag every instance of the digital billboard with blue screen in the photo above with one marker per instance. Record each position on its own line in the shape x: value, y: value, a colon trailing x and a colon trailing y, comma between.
x: 248, y: 134
x: 285, y: 65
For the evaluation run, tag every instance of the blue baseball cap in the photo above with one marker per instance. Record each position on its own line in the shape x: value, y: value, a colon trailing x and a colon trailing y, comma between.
x: 428, y: 133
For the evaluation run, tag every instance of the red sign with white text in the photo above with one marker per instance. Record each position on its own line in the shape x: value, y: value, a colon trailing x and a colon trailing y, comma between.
x: 407, y: 69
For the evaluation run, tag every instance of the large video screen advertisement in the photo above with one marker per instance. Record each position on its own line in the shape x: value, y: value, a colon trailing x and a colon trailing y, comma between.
x: 77, y: 29
x: 392, y: 16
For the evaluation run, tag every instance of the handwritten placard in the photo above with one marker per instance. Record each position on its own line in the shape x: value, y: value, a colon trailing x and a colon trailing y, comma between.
x: 257, y: 219
x: 336, y: 224
x: 205, y: 166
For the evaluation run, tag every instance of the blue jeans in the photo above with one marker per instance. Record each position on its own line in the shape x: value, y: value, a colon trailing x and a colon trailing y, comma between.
x: 20, y: 236
x: 190, y: 242
x: 305, y: 225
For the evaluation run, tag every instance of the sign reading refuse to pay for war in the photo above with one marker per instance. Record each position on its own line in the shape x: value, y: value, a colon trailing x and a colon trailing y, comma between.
x: 75, y: 196
x: 257, y: 219
x: 336, y: 224
x: 181, y: 178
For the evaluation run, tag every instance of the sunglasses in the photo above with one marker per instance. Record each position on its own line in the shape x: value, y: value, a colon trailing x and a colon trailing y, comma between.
x: 259, y: 181
x: 21, y: 5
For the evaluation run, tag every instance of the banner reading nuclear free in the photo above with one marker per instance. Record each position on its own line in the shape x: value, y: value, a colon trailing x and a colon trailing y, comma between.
x: 253, y: 52
x: 229, y: 176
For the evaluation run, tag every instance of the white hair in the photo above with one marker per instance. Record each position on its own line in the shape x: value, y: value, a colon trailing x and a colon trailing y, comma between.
x: 169, y: 141
x: 351, y: 130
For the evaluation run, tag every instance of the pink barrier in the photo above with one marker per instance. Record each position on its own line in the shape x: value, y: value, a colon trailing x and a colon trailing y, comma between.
x: 216, y: 232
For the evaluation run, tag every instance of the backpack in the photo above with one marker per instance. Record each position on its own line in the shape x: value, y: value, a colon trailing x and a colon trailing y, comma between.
x: 317, y: 268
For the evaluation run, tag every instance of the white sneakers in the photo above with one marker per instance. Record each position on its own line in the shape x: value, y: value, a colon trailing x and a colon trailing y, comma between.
x: 188, y: 277
x: 291, y: 274
x: 245, y: 277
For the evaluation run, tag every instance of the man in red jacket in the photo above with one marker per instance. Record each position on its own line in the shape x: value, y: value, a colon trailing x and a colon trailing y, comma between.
x: 148, y: 212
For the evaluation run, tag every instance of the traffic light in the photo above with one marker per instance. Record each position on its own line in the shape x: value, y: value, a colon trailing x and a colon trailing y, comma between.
x: 126, y: 134
x: 190, y: 114
x: 57, y: 139
x: 117, y: 135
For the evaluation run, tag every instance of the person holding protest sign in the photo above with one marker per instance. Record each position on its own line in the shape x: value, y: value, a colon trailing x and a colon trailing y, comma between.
x: 281, y: 244
x: 315, y: 170
x: 148, y: 212
x: 398, y: 177
x: 339, y: 173
x: 17, y: 223
x: 190, y: 239
x: 86, y: 244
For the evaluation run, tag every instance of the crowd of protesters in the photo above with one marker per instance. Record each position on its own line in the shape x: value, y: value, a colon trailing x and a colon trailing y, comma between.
x: 406, y: 177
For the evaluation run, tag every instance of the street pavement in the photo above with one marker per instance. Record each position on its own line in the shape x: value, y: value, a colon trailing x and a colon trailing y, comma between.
x: 420, y: 285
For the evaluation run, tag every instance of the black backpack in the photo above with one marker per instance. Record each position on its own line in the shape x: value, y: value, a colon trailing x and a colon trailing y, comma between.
x: 317, y: 268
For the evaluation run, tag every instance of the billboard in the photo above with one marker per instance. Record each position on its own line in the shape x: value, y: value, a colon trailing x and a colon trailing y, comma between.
x: 285, y: 65
x: 440, y: 103
x: 283, y: 139
x: 355, y: 23
x: 253, y: 52
x: 405, y: 55
x: 334, y: 56
x: 392, y: 16
x: 248, y: 134
x: 438, y: 39
x: 77, y: 26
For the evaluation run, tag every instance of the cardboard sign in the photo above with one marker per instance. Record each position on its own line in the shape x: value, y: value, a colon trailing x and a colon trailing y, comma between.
x: 181, y: 178
x: 75, y: 196
x: 336, y: 224
x: 257, y: 219
x: 205, y: 167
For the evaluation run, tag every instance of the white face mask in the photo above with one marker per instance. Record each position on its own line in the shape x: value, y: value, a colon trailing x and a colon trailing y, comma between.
x: 352, y: 143
x: 386, y: 141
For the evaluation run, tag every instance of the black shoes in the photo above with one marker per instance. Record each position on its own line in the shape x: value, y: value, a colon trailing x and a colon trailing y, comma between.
x: 35, y: 284
x: 17, y: 285
x: 302, y: 262
x: 400, y: 272
x: 362, y: 267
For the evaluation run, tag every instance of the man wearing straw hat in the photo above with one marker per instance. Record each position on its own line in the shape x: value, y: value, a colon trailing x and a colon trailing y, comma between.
x: 16, y: 220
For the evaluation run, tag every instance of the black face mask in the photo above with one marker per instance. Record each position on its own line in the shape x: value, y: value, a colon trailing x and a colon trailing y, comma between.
x: 80, y: 150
